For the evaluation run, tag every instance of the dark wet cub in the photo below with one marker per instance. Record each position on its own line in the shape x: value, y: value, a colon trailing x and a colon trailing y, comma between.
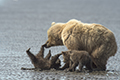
x: 42, y: 63
x: 74, y: 58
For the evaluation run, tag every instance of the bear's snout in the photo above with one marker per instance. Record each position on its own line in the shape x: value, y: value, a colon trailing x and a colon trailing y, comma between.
x: 46, y: 45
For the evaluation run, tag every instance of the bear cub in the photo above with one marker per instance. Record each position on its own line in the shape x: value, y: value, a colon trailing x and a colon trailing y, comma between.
x: 73, y: 58
x: 42, y: 63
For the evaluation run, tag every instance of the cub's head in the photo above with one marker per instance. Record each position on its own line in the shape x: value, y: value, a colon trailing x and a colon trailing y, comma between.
x: 66, y: 56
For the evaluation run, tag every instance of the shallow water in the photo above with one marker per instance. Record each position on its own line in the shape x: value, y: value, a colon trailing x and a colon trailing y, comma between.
x: 24, y: 24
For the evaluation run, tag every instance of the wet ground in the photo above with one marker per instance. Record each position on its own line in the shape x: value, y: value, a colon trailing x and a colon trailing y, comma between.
x: 24, y: 24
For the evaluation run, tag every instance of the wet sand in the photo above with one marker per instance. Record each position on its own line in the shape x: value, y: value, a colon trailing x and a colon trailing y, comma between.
x: 24, y: 24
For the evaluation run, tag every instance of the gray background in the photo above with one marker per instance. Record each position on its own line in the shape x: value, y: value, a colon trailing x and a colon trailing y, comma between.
x: 24, y: 24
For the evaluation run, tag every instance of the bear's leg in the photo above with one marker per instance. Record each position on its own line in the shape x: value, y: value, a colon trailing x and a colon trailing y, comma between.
x: 41, y: 52
x: 73, y: 67
x: 54, y: 59
x: 31, y: 56
x: 93, y: 65
x: 89, y: 66
x: 80, y: 66
x: 57, y: 64
x: 65, y: 66
x: 99, y: 57
x: 48, y: 55
x: 100, y: 63
x: 70, y: 65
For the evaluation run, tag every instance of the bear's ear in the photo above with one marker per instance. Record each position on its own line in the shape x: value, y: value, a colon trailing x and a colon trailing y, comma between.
x: 70, y: 51
x: 52, y: 23
x: 63, y: 52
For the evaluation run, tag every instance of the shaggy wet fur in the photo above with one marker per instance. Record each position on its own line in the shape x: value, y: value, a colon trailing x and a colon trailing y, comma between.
x: 42, y: 63
x: 73, y: 58
x: 93, y: 38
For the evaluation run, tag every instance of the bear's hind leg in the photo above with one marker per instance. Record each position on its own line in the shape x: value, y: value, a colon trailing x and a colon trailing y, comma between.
x: 89, y: 66
x: 100, y: 56
x: 93, y: 65
x: 100, y: 63
x: 31, y: 56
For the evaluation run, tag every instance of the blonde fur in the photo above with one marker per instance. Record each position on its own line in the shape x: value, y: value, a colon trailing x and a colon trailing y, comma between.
x: 76, y: 35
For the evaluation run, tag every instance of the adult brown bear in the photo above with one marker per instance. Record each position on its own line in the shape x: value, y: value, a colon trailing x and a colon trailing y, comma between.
x: 93, y: 38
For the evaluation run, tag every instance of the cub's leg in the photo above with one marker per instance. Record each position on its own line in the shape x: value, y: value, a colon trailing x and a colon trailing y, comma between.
x: 31, y: 56
x: 57, y: 64
x: 41, y: 52
x: 65, y: 66
x: 54, y: 59
x: 48, y: 55
x: 73, y: 67
x: 80, y: 66
x: 70, y: 65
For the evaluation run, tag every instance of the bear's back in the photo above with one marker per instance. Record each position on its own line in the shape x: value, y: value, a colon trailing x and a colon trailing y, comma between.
x: 83, y: 36
x: 76, y: 55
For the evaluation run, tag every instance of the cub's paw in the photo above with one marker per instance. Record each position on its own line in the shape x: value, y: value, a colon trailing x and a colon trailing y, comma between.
x: 28, y: 50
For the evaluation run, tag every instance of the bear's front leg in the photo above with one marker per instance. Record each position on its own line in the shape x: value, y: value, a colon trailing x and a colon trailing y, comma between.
x: 70, y: 65
x: 73, y: 67
x: 65, y: 66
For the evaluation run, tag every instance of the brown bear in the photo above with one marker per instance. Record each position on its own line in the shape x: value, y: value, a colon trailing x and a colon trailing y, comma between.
x: 97, y: 40
x: 42, y: 63
x: 73, y: 58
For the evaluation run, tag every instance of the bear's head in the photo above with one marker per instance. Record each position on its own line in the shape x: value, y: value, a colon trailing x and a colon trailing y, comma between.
x: 54, y: 35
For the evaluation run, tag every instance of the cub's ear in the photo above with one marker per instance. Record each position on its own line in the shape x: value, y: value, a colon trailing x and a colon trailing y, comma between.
x: 70, y: 51
x: 52, y: 23
x: 63, y: 53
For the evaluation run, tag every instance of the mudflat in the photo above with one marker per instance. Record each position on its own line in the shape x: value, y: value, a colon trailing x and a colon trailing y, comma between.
x: 24, y: 24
